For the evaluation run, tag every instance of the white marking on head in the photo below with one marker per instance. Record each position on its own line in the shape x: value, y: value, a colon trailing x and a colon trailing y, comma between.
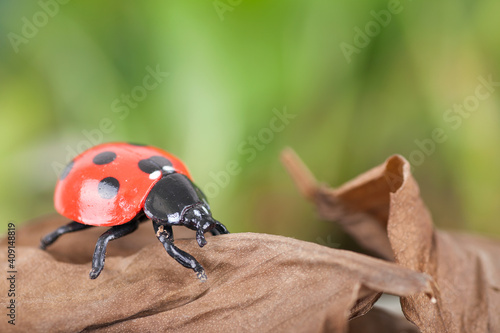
x: 205, y: 209
x: 155, y: 174
x: 174, y: 218
x: 168, y: 168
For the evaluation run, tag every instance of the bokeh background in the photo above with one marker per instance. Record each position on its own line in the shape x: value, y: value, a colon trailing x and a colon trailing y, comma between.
x: 226, y: 69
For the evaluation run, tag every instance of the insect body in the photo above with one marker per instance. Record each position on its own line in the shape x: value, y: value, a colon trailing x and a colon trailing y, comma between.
x: 121, y: 185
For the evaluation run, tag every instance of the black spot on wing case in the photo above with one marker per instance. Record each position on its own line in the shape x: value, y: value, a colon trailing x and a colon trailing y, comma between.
x: 108, y: 188
x: 170, y: 195
x: 104, y: 158
x: 154, y: 163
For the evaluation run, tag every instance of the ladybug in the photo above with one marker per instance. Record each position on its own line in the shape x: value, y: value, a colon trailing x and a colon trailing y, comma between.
x: 121, y: 185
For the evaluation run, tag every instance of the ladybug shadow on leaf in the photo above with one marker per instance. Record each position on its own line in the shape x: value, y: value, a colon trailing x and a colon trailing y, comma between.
x: 78, y: 247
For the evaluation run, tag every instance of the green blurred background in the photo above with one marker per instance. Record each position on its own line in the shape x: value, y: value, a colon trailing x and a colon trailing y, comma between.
x: 65, y: 67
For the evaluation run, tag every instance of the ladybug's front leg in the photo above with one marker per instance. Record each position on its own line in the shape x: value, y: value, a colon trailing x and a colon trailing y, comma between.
x: 220, y: 229
x: 166, y: 237
x: 100, y: 247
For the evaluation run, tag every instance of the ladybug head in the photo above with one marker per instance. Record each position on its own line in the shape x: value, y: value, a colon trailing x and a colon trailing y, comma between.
x: 198, y: 217
x: 175, y: 200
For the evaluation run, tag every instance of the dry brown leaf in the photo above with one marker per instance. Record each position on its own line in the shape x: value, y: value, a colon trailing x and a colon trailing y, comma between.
x: 383, y: 211
x: 256, y: 283
x: 379, y: 320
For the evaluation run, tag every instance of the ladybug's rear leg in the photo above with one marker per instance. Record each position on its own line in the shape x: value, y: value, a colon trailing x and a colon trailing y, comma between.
x: 100, y: 247
x: 53, y: 236
x: 166, y: 237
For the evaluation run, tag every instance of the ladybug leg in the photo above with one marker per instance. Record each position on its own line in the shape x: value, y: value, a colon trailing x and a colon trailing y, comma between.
x: 53, y: 236
x: 219, y: 229
x: 166, y: 237
x: 100, y: 247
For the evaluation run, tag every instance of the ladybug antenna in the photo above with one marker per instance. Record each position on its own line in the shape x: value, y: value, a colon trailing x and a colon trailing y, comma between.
x: 199, y: 218
x: 200, y: 237
x: 201, y: 223
x: 207, y: 223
